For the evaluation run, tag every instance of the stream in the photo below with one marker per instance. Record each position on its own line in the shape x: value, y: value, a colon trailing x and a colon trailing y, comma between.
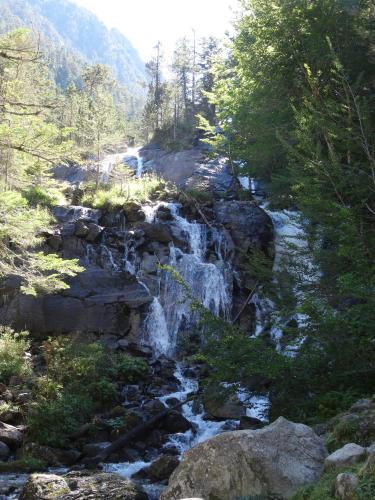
x: 205, y: 265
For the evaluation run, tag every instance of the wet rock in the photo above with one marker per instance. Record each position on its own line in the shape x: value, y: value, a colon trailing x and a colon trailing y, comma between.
x: 156, y: 232
x: 164, y: 213
x: 24, y: 396
x: 53, y: 457
x: 55, y: 241
x: 11, y: 415
x: 81, y: 229
x: 162, y: 467
x: 149, y: 263
x: 248, y: 225
x: 67, y: 230
x: 171, y: 402
x: 155, y: 439
x: 230, y: 408
x: 10, y: 435
x: 273, y: 461
x: 133, y: 212
x: 97, y: 301
x: 94, y: 233
x: 361, y: 405
x: 250, y: 423
x: 93, y: 449
x: 73, y: 213
x: 4, y: 451
x: 175, y: 422
x: 81, y: 485
x: 345, y: 486
x: 44, y: 486
x: 154, y: 407
x: 349, y: 454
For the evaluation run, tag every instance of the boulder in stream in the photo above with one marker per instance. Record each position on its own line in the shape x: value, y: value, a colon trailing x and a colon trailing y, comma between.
x: 81, y: 485
x: 275, y: 460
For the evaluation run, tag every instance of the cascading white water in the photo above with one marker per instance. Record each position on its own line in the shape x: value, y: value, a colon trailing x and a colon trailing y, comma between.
x: 291, y: 245
x: 208, y: 283
x: 133, y: 153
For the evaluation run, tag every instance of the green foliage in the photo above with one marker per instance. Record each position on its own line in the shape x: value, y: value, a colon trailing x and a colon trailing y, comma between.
x: 325, y: 488
x: 26, y: 464
x: 45, y: 197
x: 199, y: 196
x: 130, y: 369
x: 148, y: 187
x: 13, y: 358
x: 294, y: 101
x: 80, y: 379
x: 51, y: 422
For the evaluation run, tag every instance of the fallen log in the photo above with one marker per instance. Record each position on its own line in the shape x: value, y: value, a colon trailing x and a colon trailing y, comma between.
x: 132, y: 434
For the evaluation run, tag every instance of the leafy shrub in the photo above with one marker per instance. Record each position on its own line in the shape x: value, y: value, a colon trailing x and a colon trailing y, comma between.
x: 105, y: 391
x: 13, y: 360
x: 51, y: 422
x: 130, y: 369
x: 199, y: 196
x: 80, y: 379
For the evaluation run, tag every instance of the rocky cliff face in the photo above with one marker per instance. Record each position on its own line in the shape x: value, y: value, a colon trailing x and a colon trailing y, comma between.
x: 121, y: 253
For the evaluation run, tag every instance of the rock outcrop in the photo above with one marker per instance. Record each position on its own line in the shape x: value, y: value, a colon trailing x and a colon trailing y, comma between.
x: 274, y: 460
x: 190, y: 169
x: 81, y: 485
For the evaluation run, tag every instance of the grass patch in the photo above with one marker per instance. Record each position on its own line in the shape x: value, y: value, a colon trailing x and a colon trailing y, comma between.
x: 110, y: 197
x: 325, y: 488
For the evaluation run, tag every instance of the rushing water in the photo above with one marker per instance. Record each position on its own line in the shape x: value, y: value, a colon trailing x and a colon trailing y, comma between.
x: 170, y: 314
x: 293, y: 256
x: 210, y: 283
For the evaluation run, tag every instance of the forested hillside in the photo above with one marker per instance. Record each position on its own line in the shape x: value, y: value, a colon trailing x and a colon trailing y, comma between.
x: 72, y: 37
x: 294, y: 102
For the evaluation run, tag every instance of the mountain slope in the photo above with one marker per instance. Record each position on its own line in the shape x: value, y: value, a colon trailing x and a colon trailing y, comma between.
x: 77, y: 36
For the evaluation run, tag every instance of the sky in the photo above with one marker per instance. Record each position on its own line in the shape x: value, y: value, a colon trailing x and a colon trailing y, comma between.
x: 144, y: 22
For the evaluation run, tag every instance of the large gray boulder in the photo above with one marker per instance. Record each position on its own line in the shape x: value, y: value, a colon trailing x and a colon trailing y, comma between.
x: 348, y: 455
x: 274, y: 460
x: 10, y: 435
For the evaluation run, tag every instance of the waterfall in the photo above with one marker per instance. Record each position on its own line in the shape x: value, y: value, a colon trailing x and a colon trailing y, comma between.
x: 292, y: 254
x: 210, y: 283
x: 134, y: 159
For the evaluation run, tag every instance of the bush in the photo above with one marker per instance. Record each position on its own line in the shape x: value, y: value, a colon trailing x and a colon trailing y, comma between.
x: 130, y: 369
x: 80, y: 379
x: 13, y: 360
x: 51, y: 422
